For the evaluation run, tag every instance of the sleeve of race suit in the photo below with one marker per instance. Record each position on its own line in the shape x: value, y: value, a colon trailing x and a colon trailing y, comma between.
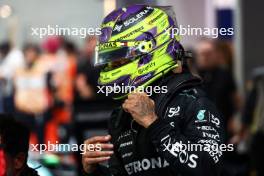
x: 188, y: 142
x: 116, y: 167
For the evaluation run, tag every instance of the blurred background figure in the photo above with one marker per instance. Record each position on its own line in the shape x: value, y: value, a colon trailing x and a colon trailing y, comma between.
x: 59, y: 60
x: 253, y: 120
x: 10, y: 59
x: 30, y: 91
x: 214, y: 63
x: 87, y: 75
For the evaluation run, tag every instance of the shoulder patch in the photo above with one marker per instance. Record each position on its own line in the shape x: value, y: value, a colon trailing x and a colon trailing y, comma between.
x: 192, y: 93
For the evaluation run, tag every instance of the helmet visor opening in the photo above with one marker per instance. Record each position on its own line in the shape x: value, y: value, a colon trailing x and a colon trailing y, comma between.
x: 110, y: 51
x: 116, y: 64
x: 105, y: 57
x: 110, y: 55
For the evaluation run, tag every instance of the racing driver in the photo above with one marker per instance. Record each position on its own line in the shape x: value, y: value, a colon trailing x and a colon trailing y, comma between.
x: 152, y: 135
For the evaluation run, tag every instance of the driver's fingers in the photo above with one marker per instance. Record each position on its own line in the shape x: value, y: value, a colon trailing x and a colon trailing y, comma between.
x: 95, y: 160
x: 97, y: 139
x: 97, y: 154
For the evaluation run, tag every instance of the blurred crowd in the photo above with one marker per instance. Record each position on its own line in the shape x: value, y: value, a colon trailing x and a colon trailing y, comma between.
x: 41, y: 83
x: 44, y: 84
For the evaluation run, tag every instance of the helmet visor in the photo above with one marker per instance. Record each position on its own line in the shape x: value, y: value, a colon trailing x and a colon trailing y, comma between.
x: 112, y: 51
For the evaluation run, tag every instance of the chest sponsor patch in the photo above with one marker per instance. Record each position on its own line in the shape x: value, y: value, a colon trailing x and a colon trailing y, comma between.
x: 173, y: 111
x: 145, y: 164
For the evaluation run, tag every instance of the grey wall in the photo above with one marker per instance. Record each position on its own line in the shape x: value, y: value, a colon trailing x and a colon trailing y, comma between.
x: 88, y: 13
x: 253, y: 35
x: 196, y: 13
x: 40, y: 13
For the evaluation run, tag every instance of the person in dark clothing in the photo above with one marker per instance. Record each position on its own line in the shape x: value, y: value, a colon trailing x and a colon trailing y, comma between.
x: 5, y: 101
x: 218, y: 80
x: 211, y: 62
x: 14, y: 139
x: 220, y: 87
x: 87, y: 75
x: 148, y: 132
x: 253, y: 120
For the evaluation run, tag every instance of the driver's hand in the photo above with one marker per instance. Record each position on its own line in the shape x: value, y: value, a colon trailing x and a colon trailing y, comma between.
x: 141, y: 108
x: 91, y: 158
